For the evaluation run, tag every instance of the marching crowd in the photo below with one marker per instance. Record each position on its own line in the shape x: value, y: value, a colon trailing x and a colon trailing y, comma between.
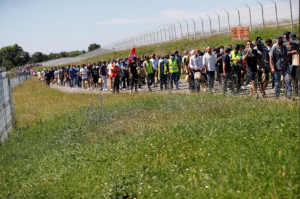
x: 234, y: 67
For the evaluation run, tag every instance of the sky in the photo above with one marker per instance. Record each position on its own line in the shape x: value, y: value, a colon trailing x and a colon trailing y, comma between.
x: 52, y: 26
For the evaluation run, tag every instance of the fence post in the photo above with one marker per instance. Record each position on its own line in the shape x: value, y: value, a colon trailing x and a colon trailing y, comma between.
x: 180, y: 30
x: 194, y: 29
x: 239, y: 17
x: 219, y: 24
x: 209, y: 24
x: 202, y: 27
x: 228, y: 21
x: 165, y: 34
x: 250, y: 16
x: 275, y: 5
x: 262, y: 13
x: 174, y: 31
x: 157, y: 35
x: 291, y: 13
x: 187, y: 28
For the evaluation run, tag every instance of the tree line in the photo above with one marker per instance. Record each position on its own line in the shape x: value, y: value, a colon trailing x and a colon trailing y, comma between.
x: 12, y: 56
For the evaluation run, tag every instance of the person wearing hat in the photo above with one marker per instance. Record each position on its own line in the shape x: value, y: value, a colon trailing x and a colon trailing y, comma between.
x: 133, y: 71
x: 279, y: 66
x: 173, y: 71
x: 148, y: 69
x: 236, y: 62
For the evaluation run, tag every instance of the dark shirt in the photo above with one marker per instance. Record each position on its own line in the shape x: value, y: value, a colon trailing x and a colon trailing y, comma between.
x: 251, y: 60
x: 219, y: 65
x: 95, y: 73
x: 226, y: 60
x: 103, y: 70
x: 133, y: 67
x: 72, y: 72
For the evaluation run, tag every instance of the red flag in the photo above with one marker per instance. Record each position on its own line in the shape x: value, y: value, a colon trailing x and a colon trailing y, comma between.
x: 132, y: 54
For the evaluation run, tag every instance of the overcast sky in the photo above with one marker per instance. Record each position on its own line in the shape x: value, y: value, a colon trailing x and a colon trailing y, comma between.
x: 67, y: 25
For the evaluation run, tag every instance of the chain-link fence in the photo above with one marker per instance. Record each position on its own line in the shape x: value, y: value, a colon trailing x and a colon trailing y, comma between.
x: 7, y: 117
x: 216, y: 23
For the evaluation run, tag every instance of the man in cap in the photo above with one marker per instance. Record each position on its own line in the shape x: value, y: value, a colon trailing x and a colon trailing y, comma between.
x: 163, y: 71
x: 279, y: 65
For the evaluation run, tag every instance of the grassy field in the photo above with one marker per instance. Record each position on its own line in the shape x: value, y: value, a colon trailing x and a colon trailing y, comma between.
x: 149, y: 146
x: 182, y: 45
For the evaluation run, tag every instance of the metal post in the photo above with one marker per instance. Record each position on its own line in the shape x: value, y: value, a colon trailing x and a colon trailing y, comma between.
x: 250, y: 16
x: 209, y: 24
x: 202, y: 27
x: 262, y: 13
x: 165, y: 34
x: 171, y: 29
x: 291, y: 14
x: 275, y: 12
x: 238, y: 16
x: 157, y: 35
x: 174, y: 31
x: 169, y: 34
x: 187, y: 28
x: 153, y: 37
x: 180, y: 30
x: 161, y: 36
x: 219, y: 23
x: 194, y: 29
x: 228, y: 21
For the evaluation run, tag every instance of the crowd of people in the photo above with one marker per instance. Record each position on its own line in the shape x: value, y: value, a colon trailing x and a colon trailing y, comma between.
x: 233, y: 67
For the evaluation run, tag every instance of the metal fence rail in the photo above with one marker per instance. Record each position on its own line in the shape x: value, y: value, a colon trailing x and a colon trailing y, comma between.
x: 7, y: 118
x: 216, y: 23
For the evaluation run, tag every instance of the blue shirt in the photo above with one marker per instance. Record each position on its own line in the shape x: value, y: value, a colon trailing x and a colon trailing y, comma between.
x: 72, y: 72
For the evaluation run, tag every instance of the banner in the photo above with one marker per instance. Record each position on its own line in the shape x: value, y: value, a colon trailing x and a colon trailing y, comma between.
x: 240, y: 33
x: 131, y: 55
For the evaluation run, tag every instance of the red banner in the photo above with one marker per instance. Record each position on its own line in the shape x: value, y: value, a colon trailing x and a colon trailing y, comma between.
x: 132, y: 54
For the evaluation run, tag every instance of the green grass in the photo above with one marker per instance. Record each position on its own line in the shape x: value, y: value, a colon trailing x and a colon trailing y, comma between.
x: 157, y: 146
x: 187, y: 44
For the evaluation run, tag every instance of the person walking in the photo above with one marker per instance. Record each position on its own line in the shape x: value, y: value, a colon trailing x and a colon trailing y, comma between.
x: 163, y: 71
x: 252, y: 60
x: 115, y: 77
x: 227, y: 70
x: 103, y: 73
x: 173, y: 70
x: 196, y: 67
x: 154, y: 61
x: 148, y: 69
x: 236, y: 63
x: 209, y: 64
x: 133, y: 72
x: 279, y: 66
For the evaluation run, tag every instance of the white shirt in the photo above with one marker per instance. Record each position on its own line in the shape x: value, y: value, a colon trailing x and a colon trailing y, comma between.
x: 154, y: 63
x: 109, y: 69
x: 196, y: 62
x: 83, y: 72
x: 210, y: 61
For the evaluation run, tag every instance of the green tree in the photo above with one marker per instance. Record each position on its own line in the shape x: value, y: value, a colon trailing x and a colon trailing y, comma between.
x: 94, y: 46
x: 13, y: 56
x: 38, y: 57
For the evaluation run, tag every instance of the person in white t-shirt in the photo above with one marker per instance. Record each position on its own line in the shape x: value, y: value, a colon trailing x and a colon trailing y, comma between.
x: 154, y: 61
x: 84, y: 76
x: 209, y: 64
x: 196, y: 66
